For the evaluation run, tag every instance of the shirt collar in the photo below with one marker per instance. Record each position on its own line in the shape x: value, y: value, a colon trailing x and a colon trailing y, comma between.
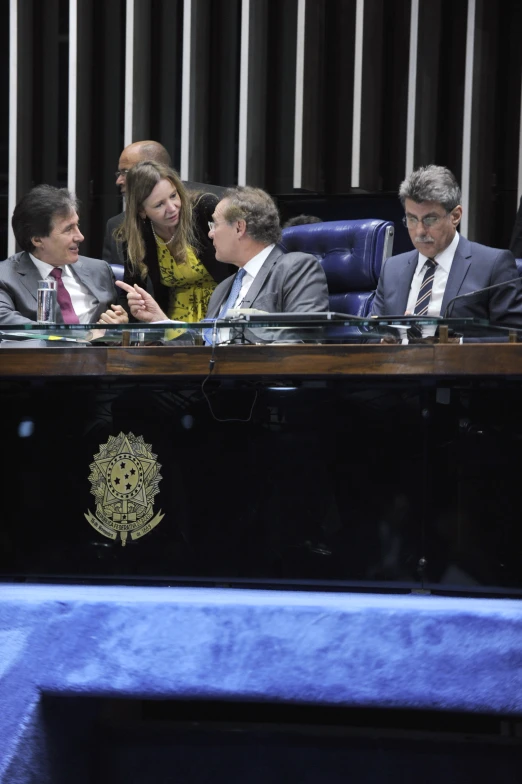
x: 45, y: 269
x: 253, y: 266
x: 444, y: 258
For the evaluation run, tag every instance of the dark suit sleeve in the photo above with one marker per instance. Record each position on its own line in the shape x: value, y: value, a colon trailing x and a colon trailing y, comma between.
x: 8, y: 312
x: 515, y: 245
x: 118, y: 296
x: 378, y: 302
x: 106, y: 253
x: 505, y: 304
x: 304, y: 288
x: 112, y: 249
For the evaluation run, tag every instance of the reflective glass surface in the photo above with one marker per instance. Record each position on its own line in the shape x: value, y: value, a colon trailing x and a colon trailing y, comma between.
x: 254, y: 328
x: 370, y: 464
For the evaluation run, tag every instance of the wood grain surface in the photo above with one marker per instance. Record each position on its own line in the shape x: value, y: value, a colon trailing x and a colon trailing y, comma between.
x: 451, y: 360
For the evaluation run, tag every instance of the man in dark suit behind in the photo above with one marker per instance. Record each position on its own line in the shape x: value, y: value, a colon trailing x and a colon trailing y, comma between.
x: 245, y: 232
x: 46, y: 226
x: 134, y: 153
x: 515, y: 244
x: 431, y: 199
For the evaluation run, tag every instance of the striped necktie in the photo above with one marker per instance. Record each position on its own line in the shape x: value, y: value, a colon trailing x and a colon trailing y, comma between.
x: 423, y: 300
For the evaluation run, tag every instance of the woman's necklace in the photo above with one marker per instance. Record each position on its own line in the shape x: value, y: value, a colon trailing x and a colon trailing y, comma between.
x: 159, y: 241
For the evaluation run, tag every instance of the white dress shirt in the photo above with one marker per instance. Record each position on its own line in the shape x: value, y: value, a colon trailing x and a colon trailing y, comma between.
x: 442, y: 270
x: 83, y: 301
x: 251, y: 268
x: 444, y: 261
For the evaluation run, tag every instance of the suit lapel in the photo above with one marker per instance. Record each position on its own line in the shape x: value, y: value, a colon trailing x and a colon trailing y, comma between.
x: 259, y: 280
x: 226, y: 291
x: 399, y: 301
x: 459, y: 268
x: 84, y: 274
x: 29, y: 275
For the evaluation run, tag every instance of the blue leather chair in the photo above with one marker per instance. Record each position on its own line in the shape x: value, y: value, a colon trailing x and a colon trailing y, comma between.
x: 519, y: 266
x: 351, y: 252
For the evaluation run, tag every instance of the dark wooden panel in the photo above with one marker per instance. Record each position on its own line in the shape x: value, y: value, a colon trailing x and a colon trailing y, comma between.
x: 280, y: 95
x: 257, y: 87
x: 165, y: 75
x: 313, y: 97
x: 376, y: 361
x: 429, y: 56
x: 338, y: 90
x: 84, y: 111
x: 371, y: 103
x: 106, y: 120
x: 223, y: 96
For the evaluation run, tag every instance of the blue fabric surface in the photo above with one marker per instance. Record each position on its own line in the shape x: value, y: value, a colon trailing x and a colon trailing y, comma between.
x: 348, y: 649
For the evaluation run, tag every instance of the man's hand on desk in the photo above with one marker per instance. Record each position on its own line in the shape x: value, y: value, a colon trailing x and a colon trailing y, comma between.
x: 142, y: 306
x: 115, y: 316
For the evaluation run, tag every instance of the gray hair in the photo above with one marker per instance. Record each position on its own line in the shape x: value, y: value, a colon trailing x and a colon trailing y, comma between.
x: 431, y: 183
x: 257, y: 209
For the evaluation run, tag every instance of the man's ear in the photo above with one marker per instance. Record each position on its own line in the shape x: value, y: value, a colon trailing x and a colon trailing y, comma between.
x: 37, y: 242
x: 241, y: 227
x: 456, y: 215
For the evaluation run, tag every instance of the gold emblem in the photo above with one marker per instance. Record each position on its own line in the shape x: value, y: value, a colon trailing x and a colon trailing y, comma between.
x: 124, y: 480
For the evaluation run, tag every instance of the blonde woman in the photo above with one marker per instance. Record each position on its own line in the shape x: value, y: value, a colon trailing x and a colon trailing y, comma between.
x: 165, y: 241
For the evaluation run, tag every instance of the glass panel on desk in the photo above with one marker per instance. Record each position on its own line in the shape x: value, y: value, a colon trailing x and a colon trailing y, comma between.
x: 258, y: 329
x: 268, y: 481
x: 366, y: 478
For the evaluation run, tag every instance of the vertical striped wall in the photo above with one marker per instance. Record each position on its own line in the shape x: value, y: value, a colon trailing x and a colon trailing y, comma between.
x: 326, y: 96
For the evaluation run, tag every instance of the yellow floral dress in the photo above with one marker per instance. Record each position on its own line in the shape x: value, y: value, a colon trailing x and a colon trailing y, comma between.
x: 191, y: 285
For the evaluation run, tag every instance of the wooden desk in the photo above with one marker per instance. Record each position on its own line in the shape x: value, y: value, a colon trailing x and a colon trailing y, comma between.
x: 376, y: 361
x: 405, y: 460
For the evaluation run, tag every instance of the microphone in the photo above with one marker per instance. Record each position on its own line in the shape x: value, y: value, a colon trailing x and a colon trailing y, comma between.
x: 479, y: 291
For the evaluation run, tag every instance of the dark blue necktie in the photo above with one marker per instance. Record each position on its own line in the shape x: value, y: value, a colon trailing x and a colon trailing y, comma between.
x: 423, y: 300
x: 234, y: 293
x: 230, y: 302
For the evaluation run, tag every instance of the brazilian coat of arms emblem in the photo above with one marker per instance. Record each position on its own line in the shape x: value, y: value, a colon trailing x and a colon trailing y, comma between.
x: 124, y: 481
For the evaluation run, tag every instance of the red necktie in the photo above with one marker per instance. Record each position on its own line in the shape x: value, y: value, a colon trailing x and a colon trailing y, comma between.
x: 64, y: 299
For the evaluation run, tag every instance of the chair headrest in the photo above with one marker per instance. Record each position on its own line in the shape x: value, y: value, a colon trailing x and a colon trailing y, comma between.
x: 351, y: 251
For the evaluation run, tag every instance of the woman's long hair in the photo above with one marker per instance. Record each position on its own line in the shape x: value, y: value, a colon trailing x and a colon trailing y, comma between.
x: 140, y: 182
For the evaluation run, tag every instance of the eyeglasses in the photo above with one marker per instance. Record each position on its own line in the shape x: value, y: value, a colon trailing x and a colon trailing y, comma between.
x: 214, y: 224
x: 411, y: 222
x: 121, y: 173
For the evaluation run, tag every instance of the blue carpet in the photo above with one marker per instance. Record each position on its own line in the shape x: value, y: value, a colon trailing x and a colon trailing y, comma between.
x: 422, y: 652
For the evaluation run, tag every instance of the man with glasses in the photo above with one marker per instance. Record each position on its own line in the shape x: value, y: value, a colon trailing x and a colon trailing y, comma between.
x: 245, y: 231
x: 445, y: 265
x: 134, y: 153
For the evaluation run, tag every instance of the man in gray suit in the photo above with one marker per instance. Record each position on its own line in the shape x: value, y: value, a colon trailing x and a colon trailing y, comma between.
x: 46, y: 226
x: 245, y: 232
x: 431, y: 199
